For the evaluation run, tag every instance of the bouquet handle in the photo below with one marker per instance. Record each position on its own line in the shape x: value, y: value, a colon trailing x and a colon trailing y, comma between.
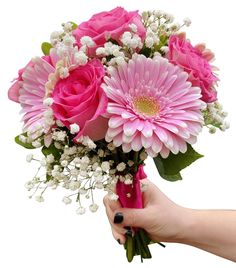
x: 130, y: 196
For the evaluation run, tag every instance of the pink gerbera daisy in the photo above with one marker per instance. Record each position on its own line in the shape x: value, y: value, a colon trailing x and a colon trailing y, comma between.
x: 152, y: 105
x: 31, y: 97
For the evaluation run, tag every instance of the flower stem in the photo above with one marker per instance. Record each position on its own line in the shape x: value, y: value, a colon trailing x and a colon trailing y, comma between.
x: 136, y: 155
x: 138, y: 245
x: 129, y: 244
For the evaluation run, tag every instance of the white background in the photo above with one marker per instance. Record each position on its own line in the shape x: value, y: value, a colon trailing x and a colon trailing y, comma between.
x: 51, y: 234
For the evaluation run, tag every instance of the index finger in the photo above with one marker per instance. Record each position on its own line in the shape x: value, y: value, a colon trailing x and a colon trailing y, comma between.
x: 111, y: 204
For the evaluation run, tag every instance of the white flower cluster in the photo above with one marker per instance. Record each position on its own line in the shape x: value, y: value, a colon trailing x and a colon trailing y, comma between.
x: 131, y: 40
x: 109, y: 49
x: 151, y: 37
x: 80, y: 168
x: 32, y: 139
x: 86, y: 42
x: 160, y: 25
x: 86, y: 141
x: 48, y: 121
x: 214, y: 117
x: 59, y: 135
x: 69, y: 55
x: 57, y: 36
x: 74, y: 128
x: 115, y: 52
x: 24, y: 139
x: 34, y: 134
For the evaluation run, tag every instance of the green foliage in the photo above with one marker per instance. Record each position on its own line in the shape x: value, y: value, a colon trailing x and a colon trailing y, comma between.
x: 55, y: 152
x: 169, y: 168
x: 138, y: 245
x: 146, y: 51
x: 149, y: 52
x: 74, y: 25
x: 163, y: 42
x: 52, y: 150
x: 46, y: 48
x: 23, y: 144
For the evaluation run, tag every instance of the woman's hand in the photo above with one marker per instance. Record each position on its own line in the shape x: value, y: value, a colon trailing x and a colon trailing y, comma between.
x: 162, y: 219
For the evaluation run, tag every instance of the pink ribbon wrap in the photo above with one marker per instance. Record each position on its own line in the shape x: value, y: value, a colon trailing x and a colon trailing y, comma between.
x: 130, y: 196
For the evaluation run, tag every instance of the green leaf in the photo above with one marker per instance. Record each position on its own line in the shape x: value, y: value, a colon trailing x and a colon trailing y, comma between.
x: 52, y: 150
x: 74, y: 25
x: 169, y: 168
x: 129, y: 248
x: 161, y: 170
x: 146, y: 51
x: 23, y: 144
x: 46, y: 48
x: 163, y: 42
x: 145, y: 252
x: 48, y: 177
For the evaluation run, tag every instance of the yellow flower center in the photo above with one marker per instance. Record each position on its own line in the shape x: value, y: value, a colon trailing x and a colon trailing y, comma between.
x: 146, y: 105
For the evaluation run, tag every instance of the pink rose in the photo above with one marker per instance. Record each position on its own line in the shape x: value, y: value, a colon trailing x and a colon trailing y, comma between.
x: 80, y: 99
x: 109, y: 24
x: 13, y: 92
x: 195, y: 61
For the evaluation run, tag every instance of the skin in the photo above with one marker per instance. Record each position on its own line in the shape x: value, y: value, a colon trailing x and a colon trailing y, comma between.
x: 210, y: 230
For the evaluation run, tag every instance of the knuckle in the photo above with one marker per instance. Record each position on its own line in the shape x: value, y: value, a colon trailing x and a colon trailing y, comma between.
x: 135, y: 219
x: 129, y: 218
x: 132, y: 218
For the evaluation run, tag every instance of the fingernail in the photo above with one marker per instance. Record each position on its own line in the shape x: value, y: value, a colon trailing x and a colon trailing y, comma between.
x: 118, y: 217
x: 127, y: 228
x: 129, y: 233
x: 118, y: 240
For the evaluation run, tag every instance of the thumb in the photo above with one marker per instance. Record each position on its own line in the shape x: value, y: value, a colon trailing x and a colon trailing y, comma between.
x: 134, y: 217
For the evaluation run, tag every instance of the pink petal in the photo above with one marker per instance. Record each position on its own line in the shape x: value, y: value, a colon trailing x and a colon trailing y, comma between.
x: 117, y: 141
x: 164, y: 152
x: 116, y: 121
x: 126, y: 147
x: 147, y: 129
x: 146, y: 142
x: 136, y: 143
x: 130, y: 127
x: 13, y: 92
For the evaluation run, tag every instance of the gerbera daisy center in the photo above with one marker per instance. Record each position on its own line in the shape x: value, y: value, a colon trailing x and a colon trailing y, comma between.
x: 146, y: 105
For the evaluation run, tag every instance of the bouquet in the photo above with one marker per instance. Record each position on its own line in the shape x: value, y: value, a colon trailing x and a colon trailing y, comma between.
x: 108, y: 93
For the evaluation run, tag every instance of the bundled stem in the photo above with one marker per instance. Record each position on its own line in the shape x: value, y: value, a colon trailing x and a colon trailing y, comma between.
x: 138, y: 245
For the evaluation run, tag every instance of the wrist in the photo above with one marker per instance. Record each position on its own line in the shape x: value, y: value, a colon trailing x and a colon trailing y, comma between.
x: 187, y: 225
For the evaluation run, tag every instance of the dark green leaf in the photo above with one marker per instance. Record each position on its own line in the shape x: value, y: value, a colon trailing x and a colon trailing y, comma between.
x: 169, y: 168
x: 46, y: 48
x: 48, y: 177
x: 145, y: 51
x: 52, y: 150
x: 145, y: 252
x: 108, y: 58
x: 129, y: 248
x: 25, y: 145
